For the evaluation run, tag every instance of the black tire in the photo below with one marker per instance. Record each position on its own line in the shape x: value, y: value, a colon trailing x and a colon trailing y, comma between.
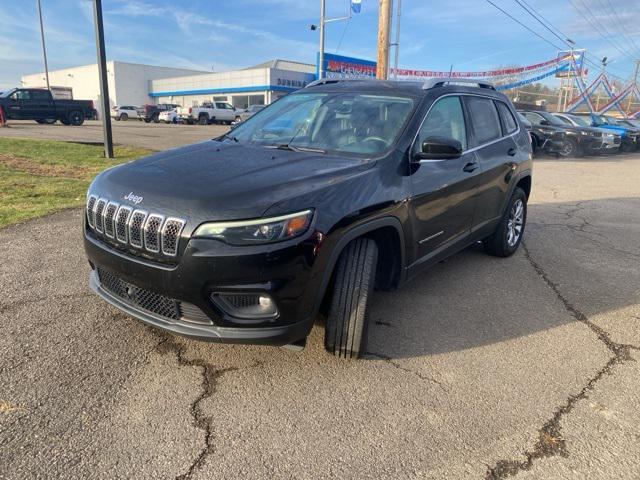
x: 76, y: 118
x: 155, y: 118
x: 346, y: 328
x: 146, y: 120
x: 501, y: 244
x: 238, y: 119
x: 203, y: 120
x: 124, y: 117
x: 570, y: 148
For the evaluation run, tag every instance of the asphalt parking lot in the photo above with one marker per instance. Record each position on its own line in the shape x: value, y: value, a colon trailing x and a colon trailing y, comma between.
x: 154, y: 136
x: 479, y: 368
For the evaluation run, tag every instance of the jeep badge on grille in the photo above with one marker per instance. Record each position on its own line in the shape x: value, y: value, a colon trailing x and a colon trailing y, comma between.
x: 135, y: 199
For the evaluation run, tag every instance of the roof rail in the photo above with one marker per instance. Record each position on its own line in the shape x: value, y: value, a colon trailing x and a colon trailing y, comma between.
x: 326, y: 81
x: 441, y: 82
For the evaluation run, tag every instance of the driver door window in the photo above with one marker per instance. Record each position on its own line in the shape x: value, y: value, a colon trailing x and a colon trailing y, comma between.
x: 445, y: 119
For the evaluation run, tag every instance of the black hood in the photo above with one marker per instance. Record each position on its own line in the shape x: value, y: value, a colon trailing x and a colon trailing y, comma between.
x: 222, y: 180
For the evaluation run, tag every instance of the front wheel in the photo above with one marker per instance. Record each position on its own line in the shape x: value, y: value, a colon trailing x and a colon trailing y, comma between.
x: 507, y: 238
x: 346, y: 329
x: 570, y: 148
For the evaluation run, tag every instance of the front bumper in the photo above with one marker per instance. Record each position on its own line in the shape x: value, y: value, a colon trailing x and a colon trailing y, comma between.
x: 276, y: 336
x: 288, y: 272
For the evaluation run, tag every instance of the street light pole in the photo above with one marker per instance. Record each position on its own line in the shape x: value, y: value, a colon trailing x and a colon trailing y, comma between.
x: 104, y: 83
x: 44, y: 50
x: 321, y: 55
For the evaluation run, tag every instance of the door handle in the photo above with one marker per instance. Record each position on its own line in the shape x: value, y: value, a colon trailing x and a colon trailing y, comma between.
x: 511, y: 152
x: 470, y: 167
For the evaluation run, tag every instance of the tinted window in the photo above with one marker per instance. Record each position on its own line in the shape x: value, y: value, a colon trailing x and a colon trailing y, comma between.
x: 510, y: 124
x: 445, y: 119
x: 565, y: 120
x: 39, y: 95
x: 22, y: 95
x: 533, y: 117
x: 484, y: 116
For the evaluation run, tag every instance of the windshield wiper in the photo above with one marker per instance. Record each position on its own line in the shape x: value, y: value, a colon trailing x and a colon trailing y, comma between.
x: 286, y: 146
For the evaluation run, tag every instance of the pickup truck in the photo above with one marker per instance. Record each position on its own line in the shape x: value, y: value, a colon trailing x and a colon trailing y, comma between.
x: 209, y: 112
x: 38, y: 104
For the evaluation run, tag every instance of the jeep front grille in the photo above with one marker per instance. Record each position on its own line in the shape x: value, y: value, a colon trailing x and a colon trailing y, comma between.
x: 139, y: 229
x: 149, y: 301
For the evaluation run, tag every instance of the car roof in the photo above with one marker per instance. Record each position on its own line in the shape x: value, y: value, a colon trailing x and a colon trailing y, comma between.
x: 387, y: 87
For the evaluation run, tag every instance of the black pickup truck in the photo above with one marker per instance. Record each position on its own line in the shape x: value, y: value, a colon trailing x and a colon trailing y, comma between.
x: 38, y: 104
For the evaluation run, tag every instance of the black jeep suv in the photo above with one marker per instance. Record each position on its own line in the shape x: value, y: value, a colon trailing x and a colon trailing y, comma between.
x: 331, y: 191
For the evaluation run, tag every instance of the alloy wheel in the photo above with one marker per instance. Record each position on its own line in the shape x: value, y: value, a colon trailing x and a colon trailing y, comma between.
x: 515, y: 223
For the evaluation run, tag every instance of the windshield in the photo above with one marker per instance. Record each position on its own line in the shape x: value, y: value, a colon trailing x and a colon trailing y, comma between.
x: 579, y: 120
x: 552, y: 119
x: 331, y: 122
x: 7, y: 93
x: 611, y: 121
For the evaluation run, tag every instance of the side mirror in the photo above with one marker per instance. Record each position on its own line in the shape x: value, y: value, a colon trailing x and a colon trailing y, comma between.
x: 544, y: 122
x: 439, y: 148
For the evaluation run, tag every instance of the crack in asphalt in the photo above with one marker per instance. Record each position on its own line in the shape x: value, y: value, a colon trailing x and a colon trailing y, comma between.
x: 421, y: 376
x: 7, y: 307
x: 550, y: 441
x: 210, y: 378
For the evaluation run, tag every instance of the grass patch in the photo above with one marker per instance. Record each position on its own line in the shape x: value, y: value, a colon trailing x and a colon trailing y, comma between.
x: 39, y: 177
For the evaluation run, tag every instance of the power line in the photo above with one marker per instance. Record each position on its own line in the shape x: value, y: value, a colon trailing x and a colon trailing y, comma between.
x: 563, y: 40
x: 625, y: 32
x: 523, y: 25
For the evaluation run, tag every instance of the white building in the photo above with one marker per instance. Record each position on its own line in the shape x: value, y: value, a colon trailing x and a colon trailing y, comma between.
x: 260, y: 84
x: 136, y: 84
x: 128, y: 82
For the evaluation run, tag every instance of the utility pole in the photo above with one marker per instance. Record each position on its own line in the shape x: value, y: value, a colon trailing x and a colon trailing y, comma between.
x: 384, y: 25
x: 323, y: 11
x: 44, y: 50
x: 104, y: 83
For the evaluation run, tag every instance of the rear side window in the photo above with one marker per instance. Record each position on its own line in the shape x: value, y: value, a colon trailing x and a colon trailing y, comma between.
x: 508, y: 122
x: 445, y: 119
x: 484, y: 117
x: 39, y: 95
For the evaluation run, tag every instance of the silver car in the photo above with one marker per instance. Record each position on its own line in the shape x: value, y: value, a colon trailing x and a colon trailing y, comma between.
x: 251, y: 111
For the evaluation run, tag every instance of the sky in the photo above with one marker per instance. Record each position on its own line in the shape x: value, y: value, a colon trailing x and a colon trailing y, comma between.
x: 221, y: 35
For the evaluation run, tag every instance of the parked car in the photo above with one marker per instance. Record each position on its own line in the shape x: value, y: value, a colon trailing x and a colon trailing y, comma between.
x: 124, y: 112
x: 38, y: 104
x: 209, y: 112
x: 545, y: 138
x: 611, y: 141
x: 151, y: 113
x: 168, y: 116
x: 629, y: 136
x: 250, y: 112
x: 245, y: 238
x: 577, y: 141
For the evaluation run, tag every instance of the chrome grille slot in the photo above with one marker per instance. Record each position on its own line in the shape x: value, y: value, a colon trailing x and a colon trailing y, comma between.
x: 152, y: 232
x: 125, y: 227
x: 171, y: 235
x: 91, y: 215
x: 122, y: 221
x: 99, y: 218
x: 110, y: 219
x: 135, y: 228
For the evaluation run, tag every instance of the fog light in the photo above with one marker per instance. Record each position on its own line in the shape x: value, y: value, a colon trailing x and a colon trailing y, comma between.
x: 246, y: 305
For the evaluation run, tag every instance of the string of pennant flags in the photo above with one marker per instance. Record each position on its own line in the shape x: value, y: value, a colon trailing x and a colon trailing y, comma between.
x: 568, y: 65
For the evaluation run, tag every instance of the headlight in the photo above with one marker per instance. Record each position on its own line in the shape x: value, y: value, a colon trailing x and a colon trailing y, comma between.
x: 262, y: 230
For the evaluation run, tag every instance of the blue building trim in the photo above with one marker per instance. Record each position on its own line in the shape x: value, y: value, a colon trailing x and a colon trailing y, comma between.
x: 205, y: 91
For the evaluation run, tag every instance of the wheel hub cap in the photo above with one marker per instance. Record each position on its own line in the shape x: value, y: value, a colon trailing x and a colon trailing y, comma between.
x: 515, y: 223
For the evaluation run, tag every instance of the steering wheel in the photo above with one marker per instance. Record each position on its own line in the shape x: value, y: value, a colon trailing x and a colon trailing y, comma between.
x: 375, y: 139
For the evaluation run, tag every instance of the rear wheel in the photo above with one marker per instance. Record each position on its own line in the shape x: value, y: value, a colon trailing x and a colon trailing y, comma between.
x: 124, y: 117
x: 238, y: 119
x: 156, y: 118
x: 76, y: 117
x: 507, y: 238
x: 203, y: 120
x: 346, y: 329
